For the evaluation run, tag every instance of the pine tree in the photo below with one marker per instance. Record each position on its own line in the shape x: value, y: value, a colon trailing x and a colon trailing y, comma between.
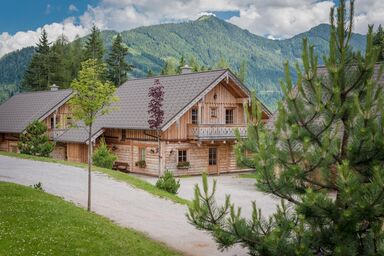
x: 150, y: 73
x: 75, y: 57
x: 34, y: 141
x: 118, y: 68
x: 169, y: 68
x: 181, y: 65
x: 37, y: 76
x: 324, y: 158
x: 223, y: 63
x: 242, y: 72
x: 94, y: 47
x: 378, y: 40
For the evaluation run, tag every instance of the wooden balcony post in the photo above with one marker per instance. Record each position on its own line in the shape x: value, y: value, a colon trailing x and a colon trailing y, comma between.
x: 199, y: 114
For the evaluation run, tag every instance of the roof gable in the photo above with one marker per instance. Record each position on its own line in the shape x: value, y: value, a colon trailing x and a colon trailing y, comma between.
x: 23, y: 108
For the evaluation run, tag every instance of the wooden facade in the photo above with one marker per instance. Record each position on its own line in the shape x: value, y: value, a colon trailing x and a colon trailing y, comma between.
x: 200, y: 140
x: 59, y: 120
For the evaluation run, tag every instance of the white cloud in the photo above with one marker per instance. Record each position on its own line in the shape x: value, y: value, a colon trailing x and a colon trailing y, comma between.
x: 273, y: 18
x: 72, y: 8
x: 9, y: 43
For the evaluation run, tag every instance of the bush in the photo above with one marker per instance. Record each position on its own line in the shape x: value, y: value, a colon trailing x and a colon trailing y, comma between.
x: 35, y: 140
x: 168, y: 183
x: 103, y: 157
x: 141, y: 164
x: 38, y: 186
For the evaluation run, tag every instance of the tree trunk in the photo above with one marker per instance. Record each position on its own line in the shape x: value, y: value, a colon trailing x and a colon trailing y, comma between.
x: 159, y: 151
x: 89, y: 166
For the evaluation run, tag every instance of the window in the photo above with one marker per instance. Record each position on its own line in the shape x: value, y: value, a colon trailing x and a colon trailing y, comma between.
x: 123, y: 134
x: 229, y: 116
x: 213, y: 112
x: 52, y: 123
x: 69, y: 121
x: 212, y: 156
x: 194, y: 116
x: 182, y: 156
x: 142, y: 154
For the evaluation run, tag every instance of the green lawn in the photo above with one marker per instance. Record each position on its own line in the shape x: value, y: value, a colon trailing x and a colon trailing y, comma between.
x: 251, y: 175
x: 134, y: 181
x: 33, y: 222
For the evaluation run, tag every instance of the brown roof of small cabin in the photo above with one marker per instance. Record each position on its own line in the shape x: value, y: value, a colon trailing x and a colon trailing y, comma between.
x: 23, y: 108
x: 180, y: 93
x: 322, y: 71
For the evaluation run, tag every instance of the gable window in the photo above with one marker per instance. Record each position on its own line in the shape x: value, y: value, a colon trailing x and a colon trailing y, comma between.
x: 123, y: 134
x: 212, y: 156
x: 182, y: 156
x: 142, y: 154
x: 229, y: 116
x: 194, y: 116
x: 213, y: 112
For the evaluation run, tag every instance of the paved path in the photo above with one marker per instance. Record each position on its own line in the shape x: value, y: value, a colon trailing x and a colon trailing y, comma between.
x: 160, y: 219
x: 242, y: 192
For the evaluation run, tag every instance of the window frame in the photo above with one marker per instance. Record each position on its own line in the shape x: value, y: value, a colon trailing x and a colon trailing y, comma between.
x: 213, y: 112
x: 212, y: 156
x: 194, y: 116
x: 231, y: 115
x: 142, y: 153
x: 183, y: 157
x: 123, y: 134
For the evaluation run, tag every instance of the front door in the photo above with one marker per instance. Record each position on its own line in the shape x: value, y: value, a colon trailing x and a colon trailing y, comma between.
x: 212, y: 160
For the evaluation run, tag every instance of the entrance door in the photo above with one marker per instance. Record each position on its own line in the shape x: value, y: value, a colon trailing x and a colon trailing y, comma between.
x: 212, y: 160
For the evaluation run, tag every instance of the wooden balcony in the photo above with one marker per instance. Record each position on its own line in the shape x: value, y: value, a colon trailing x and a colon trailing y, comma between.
x: 215, y: 131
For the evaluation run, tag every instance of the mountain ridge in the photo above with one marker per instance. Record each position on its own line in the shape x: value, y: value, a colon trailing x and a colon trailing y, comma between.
x: 208, y: 39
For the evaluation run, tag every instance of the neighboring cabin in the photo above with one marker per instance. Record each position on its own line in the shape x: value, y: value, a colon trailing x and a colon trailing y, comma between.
x: 201, y: 112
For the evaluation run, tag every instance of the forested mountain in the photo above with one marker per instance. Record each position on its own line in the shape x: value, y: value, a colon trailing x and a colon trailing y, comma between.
x: 206, y: 40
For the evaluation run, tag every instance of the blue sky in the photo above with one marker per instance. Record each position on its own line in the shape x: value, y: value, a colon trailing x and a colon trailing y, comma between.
x: 21, y: 21
x: 21, y: 15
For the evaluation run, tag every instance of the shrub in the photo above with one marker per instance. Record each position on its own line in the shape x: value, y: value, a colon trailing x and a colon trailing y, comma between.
x: 183, y: 165
x: 35, y: 140
x: 168, y: 182
x: 141, y: 164
x: 38, y: 186
x: 103, y: 157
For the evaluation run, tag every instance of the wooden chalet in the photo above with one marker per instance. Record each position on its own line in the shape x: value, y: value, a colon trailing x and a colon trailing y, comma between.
x: 201, y: 109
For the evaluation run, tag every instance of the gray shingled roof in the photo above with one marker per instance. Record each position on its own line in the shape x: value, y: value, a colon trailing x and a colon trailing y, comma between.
x: 20, y: 110
x: 131, y: 113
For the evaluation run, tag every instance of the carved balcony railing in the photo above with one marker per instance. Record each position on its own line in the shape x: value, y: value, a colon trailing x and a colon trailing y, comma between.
x: 215, y: 131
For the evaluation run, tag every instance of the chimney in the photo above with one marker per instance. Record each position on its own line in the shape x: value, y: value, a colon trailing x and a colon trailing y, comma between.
x: 186, y: 70
x: 54, y: 88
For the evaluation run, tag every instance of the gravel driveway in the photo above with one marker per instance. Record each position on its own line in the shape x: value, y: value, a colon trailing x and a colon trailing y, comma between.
x: 242, y: 191
x: 160, y: 219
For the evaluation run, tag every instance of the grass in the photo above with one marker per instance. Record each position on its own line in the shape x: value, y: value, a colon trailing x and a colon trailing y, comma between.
x: 250, y: 175
x: 134, y: 181
x: 33, y: 222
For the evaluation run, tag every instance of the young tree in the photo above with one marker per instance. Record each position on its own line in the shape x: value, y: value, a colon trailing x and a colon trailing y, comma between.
x: 94, y: 47
x: 118, y: 68
x: 324, y: 159
x: 92, y: 98
x: 37, y: 75
x: 150, y: 73
x: 156, y: 113
x: 169, y: 68
x: 34, y: 141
